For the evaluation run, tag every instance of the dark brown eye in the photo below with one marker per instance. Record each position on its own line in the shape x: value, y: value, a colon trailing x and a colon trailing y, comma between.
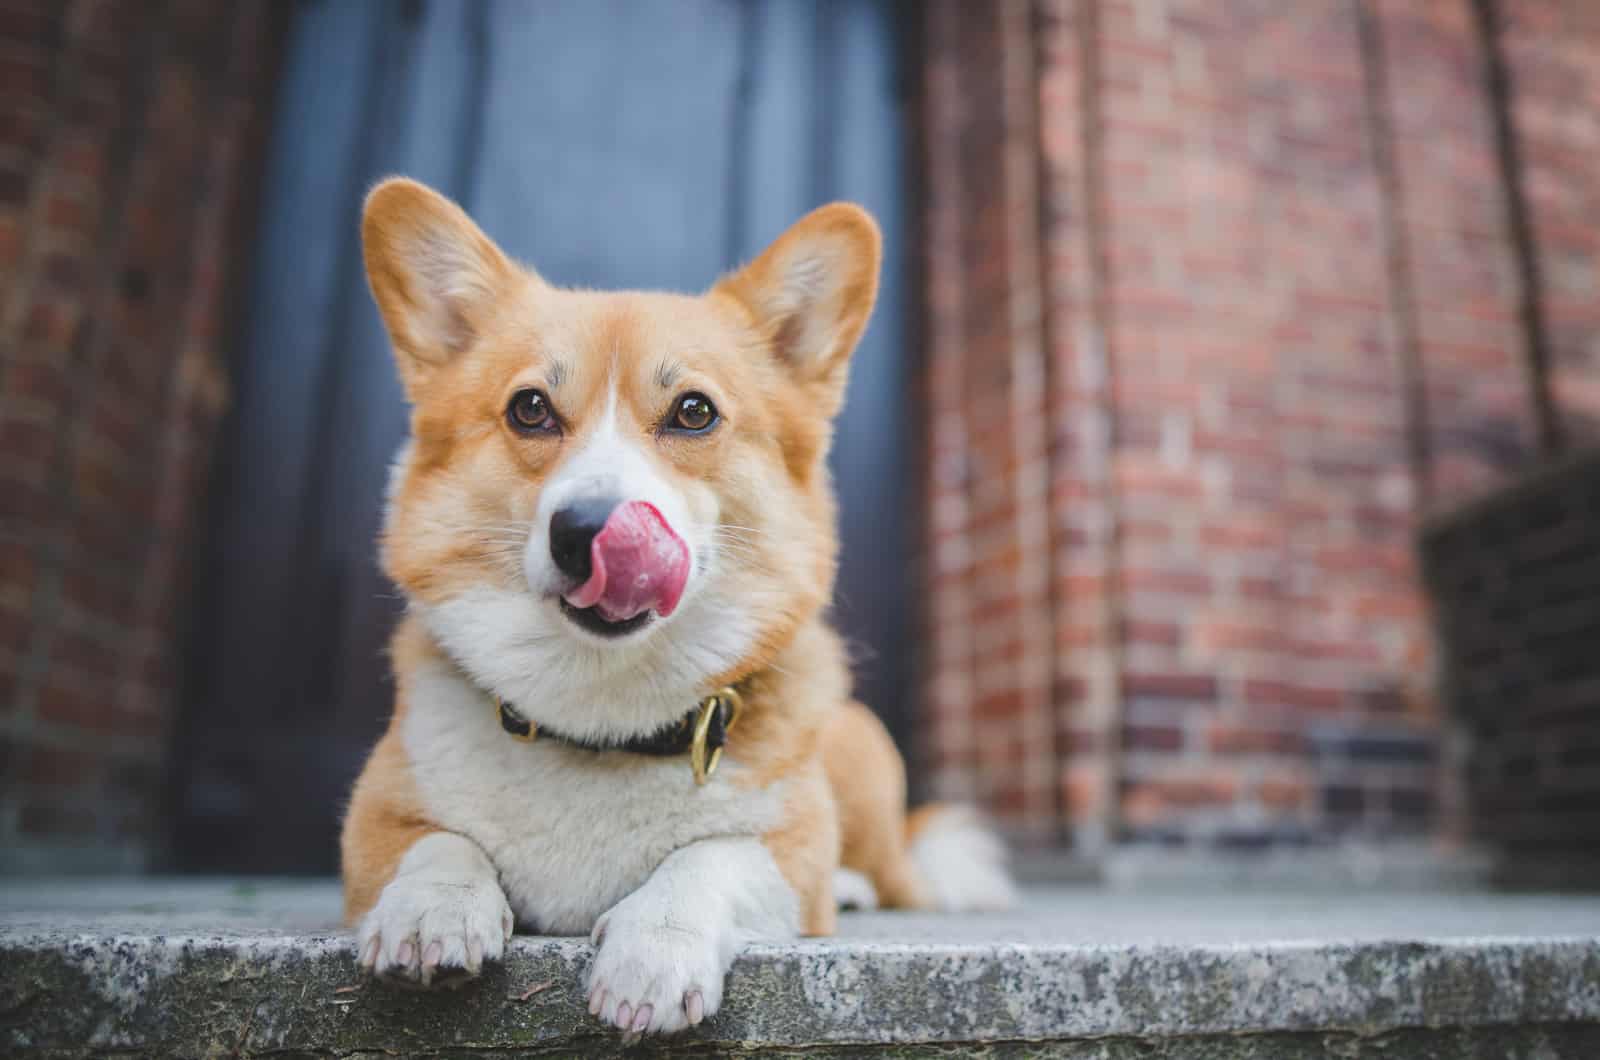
x: 530, y: 411
x: 694, y: 412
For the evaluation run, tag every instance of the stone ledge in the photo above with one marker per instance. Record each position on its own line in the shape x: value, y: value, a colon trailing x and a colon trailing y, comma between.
x: 191, y: 969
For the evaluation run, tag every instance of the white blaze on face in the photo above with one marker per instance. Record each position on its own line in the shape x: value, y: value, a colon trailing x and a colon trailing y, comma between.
x: 613, y: 462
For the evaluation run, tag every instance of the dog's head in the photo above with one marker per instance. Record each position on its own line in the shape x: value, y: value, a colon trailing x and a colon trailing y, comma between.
x: 610, y: 502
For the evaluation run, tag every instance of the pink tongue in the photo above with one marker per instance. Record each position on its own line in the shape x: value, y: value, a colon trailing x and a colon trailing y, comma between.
x: 636, y: 564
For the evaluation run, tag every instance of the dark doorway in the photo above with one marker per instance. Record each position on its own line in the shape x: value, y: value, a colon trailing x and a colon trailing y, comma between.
x: 611, y: 144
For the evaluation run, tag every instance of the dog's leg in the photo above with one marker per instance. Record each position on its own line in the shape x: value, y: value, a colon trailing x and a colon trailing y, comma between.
x: 868, y: 779
x: 440, y: 918
x: 662, y: 952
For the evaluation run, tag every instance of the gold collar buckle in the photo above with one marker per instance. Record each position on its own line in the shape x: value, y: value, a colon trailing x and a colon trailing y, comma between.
x: 515, y: 724
x: 719, y: 713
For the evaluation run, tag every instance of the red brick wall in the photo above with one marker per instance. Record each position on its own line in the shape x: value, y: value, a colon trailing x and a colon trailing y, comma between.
x: 1553, y: 52
x: 128, y: 140
x: 1256, y: 258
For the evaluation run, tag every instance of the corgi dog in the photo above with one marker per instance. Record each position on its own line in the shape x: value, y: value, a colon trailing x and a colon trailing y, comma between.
x: 620, y: 708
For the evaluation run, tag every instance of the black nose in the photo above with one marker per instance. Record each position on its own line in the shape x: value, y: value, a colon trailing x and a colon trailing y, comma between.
x: 572, y: 531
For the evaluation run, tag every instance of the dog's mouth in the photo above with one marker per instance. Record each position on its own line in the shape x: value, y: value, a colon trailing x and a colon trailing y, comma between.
x: 637, y: 569
x: 590, y: 620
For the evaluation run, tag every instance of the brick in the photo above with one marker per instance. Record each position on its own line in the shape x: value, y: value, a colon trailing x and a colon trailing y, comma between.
x: 1220, y: 636
x: 1283, y: 793
x: 1191, y: 583
x: 1343, y: 800
x: 1226, y: 738
x: 1153, y: 737
x: 1271, y: 693
x: 1184, y: 686
x: 1082, y: 788
x: 1365, y: 747
x: 85, y: 527
x: 101, y: 594
x: 81, y: 701
x: 1164, y: 634
x: 69, y: 216
x: 1147, y: 802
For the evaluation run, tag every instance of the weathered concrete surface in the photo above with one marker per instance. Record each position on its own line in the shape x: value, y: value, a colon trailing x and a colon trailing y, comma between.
x: 191, y: 969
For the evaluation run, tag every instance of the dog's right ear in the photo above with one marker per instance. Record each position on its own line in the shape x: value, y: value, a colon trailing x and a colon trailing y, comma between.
x: 434, y: 274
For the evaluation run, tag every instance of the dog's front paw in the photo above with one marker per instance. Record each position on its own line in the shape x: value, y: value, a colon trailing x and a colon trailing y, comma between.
x: 651, y: 976
x: 431, y: 932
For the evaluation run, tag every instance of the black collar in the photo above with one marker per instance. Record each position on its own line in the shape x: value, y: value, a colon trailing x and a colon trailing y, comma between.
x: 701, y: 733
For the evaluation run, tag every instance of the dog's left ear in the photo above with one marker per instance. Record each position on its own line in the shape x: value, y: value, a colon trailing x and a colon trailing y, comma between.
x: 811, y: 293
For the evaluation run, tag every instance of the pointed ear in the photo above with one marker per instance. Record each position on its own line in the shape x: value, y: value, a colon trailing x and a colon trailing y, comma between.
x: 811, y: 293
x: 434, y: 274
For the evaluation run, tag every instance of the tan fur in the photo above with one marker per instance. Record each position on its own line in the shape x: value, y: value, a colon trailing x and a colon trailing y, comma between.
x: 869, y: 785
x: 806, y: 847
x: 383, y: 821
x: 770, y: 346
x: 921, y: 818
x: 385, y: 816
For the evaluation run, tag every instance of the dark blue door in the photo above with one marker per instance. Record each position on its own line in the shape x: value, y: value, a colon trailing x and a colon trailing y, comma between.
x: 611, y: 144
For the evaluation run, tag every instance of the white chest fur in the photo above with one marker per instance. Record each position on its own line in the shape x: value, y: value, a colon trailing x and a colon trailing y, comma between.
x: 570, y: 832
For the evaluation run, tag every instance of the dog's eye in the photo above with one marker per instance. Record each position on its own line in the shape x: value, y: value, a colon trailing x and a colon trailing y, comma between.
x: 694, y: 412
x: 529, y: 411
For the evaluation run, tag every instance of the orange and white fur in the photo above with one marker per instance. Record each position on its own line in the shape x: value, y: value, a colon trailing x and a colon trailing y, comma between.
x: 715, y: 410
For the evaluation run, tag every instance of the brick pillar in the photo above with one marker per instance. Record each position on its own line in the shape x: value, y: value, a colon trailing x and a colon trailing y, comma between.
x: 949, y: 742
x: 991, y: 656
x: 1082, y: 416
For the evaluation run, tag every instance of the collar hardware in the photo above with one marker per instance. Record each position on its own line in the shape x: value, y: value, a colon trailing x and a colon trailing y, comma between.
x: 718, y: 714
x: 519, y: 727
x: 701, y: 732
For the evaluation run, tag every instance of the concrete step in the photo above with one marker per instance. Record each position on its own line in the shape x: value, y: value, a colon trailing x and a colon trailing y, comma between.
x: 185, y: 968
